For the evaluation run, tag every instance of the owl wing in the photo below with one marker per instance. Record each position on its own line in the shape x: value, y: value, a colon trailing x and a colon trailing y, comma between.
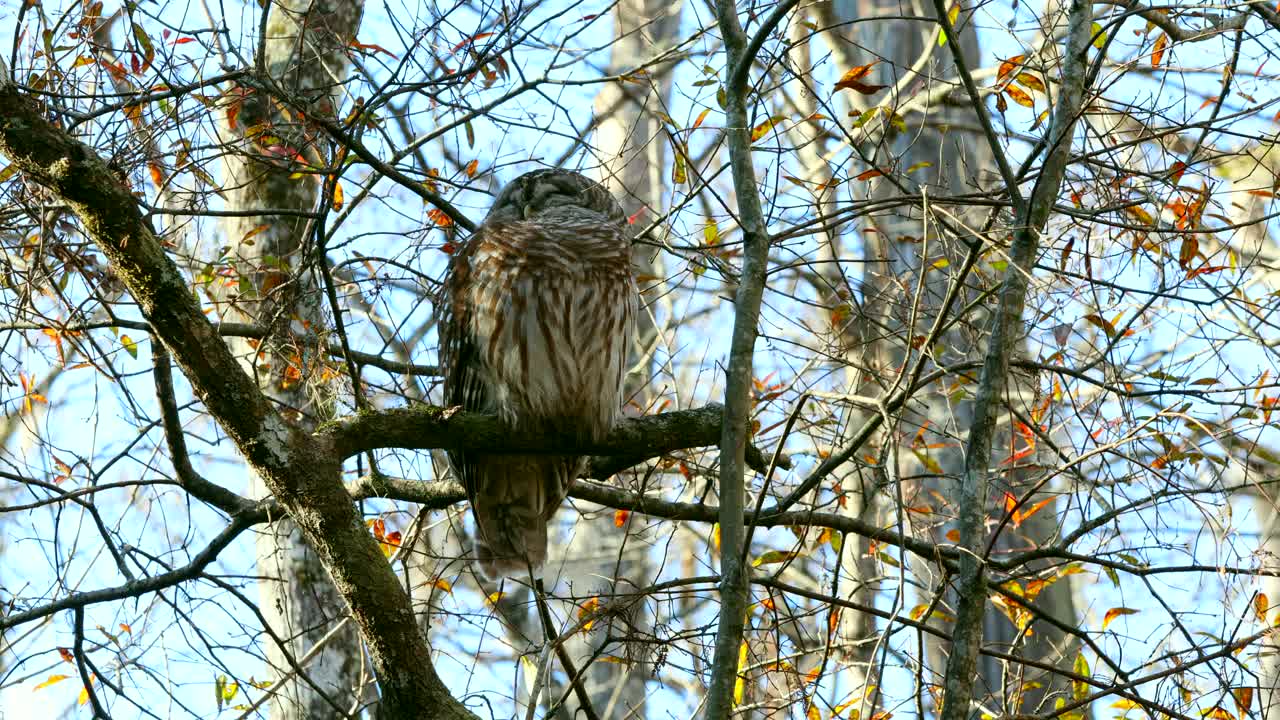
x: 464, y: 382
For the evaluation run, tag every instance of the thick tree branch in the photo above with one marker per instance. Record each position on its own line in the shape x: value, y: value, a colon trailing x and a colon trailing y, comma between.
x: 633, y: 441
x: 303, y: 474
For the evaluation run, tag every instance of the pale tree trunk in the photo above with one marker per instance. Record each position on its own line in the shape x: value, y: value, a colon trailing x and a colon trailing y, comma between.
x: 1256, y: 169
x: 1268, y: 511
x: 902, y: 293
x: 856, y: 632
x: 304, y: 57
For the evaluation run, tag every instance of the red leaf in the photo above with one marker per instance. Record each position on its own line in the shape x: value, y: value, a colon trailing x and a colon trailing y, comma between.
x: 470, y: 40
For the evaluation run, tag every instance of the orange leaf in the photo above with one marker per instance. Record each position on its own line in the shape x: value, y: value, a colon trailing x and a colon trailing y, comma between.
x: 258, y: 230
x: 620, y: 517
x: 852, y: 80
x: 763, y: 128
x: 337, y: 196
x: 471, y: 167
x: 867, y: 175
x: 440, y: 217
x: 1260, y: 606
x: 1217, y: 713
x: 1157, y: 53
x: 1114, y: 613
x: 1020, y: 97
x: 953, y: 535
x: 65, y: 654
x: 1188, y: 251
x: 1008, y: 66
x: 1175, y: 172
x: 470, y: 40
x: 1244, y: 699
x: 1021, y: 516
x: 701, y: 116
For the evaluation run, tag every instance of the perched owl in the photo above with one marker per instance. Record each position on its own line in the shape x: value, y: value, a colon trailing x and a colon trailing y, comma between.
x: 537, y: 311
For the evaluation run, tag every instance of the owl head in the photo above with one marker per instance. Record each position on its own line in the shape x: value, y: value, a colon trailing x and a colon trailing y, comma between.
x: 551, y: 194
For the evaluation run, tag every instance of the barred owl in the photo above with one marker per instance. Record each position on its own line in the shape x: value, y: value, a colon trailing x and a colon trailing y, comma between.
x: 537, y: 314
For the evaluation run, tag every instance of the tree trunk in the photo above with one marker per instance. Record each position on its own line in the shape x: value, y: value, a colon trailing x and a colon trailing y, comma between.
x: 277, y: 290
x: 889, y: 318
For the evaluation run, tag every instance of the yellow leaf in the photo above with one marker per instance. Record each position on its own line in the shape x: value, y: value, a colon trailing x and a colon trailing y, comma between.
x: 811, y: 713
x: 740, y: 685
x: 1099, y: 37
x: 711, y: 232
x: 1114, y: 613
x: 1020, y: 97
x: 494, y: 597
x: 445, y: 585
x: 775, y: 556
x: 1080, y: 690
x: 851, y: 702
x: 1029, y: 81
x: 1260, y: 606
x: 52, y: 680
x: 1140, y: 214
x: 953, y: 14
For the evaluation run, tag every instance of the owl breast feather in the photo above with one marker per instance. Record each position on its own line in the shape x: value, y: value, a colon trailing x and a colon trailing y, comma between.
x: 552, y: 310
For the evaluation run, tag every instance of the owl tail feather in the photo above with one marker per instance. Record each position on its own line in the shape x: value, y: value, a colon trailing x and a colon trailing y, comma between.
x: 509, y: 541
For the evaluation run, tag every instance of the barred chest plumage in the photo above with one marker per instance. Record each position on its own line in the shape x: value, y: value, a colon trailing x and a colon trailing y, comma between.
x: 555, y: 314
